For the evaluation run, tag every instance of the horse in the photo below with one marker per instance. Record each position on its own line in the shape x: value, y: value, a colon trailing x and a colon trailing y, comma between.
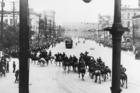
x: 75, y: 63
x: 3, y: 71
x: 58, y: 58
x: 82, y: 71
x: 34, y: 57
x: 66, y: 63
x: 97, y: 74
x: 105, y: 71
x: 123, y: 79
x: 42, y: 61
x: 82, y: 68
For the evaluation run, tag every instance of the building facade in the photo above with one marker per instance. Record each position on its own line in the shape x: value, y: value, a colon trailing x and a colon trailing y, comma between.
x: 128, y: 14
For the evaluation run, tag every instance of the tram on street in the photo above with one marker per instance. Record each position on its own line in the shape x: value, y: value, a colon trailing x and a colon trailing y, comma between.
x: 69, y: 43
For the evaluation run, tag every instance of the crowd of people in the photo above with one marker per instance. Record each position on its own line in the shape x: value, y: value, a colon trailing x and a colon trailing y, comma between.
x: 4, y: 65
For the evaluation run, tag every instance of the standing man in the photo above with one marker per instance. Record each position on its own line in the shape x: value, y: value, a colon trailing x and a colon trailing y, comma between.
x: 14, y: 67
x: 16, y: 76
x: 7, y: 67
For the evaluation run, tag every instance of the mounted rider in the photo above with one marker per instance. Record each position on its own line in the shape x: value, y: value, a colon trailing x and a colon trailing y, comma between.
x: 122, y: 69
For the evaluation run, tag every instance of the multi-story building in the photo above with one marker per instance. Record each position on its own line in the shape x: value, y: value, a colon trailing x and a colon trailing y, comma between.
x: 128, y: 14
x: 49, y: 18
x: 104, y: 21
x: 13, y: 19
x: 127, y: 17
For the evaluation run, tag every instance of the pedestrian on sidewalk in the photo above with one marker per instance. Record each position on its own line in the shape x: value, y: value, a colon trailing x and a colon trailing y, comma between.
x: 16, y: 76
x: 7, y: 67
x: 14, y: 67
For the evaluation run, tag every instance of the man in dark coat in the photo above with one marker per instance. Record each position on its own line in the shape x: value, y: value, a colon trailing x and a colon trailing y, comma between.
x: 14, y: 67
x: 16, y: 76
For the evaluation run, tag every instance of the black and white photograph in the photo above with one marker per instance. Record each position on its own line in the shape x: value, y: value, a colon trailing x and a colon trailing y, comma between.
x: 69, y: 46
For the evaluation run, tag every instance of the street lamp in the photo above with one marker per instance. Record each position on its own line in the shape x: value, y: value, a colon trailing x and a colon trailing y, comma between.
x: 1, y: 36
x: 116, y: 30
x: 24, y: 47
x: 86, y: 1
x: 14, y: 25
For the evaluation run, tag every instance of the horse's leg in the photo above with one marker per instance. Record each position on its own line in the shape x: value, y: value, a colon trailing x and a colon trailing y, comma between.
x: 121, y: 82
x: 34, y: 62
x: 79, y: 74
x: 47, y: 62
x: 92, y: 75
x: 82, y: 76
x: 64, y: 68
x: 56, y: 63
x: 95, y: 78
x: 59, y: 63
x: 110, y: 74
x: 3, y: 73
x: 74, y: 68
x: 100, y: 79
x: 126, y: 83
x: 67, y: 68
x: 105, y: 77
x: 89, y: 74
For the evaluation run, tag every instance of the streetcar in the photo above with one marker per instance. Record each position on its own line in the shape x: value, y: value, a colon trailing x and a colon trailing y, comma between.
x: 69, y: 43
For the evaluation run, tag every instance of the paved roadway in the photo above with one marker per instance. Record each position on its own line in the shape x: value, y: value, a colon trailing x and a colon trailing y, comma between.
x: 52, y: 79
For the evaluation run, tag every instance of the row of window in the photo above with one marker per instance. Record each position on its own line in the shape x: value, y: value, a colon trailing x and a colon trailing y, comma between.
x: 11, y: 21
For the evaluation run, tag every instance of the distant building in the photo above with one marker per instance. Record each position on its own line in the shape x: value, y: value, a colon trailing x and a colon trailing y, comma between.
x: 49, y: 16
x: 127, y: 17
x: 104, y: 21
x: 9, y: 19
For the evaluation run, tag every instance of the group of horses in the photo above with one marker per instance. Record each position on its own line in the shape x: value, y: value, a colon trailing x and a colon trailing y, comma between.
x: 41, y: 56
x: 96, y: 68
x: 83, y: 64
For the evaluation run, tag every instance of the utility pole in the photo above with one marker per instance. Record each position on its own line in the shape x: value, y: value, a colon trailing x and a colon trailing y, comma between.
x: 54, y: 33
x: 46, y: 23
x: 39, y: 30
x: 24, y: 47
x: 2, y: 14
x: 14, y: 15
x: 117, y: 31
x: 50, y: 31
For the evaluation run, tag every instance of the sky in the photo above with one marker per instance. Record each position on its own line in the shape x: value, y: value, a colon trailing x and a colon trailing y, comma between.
x: 77, y: 10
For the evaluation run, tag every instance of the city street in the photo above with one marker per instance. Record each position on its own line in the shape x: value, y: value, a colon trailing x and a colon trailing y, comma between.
x: 52, y: 79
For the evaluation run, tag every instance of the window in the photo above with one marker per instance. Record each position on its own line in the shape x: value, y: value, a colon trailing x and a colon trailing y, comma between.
x: 128, y: 24
x: 11, y: 21
x: 15, y: 21
x: 134, y: 14
x: 6, y: 21
x: 128, y: 15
